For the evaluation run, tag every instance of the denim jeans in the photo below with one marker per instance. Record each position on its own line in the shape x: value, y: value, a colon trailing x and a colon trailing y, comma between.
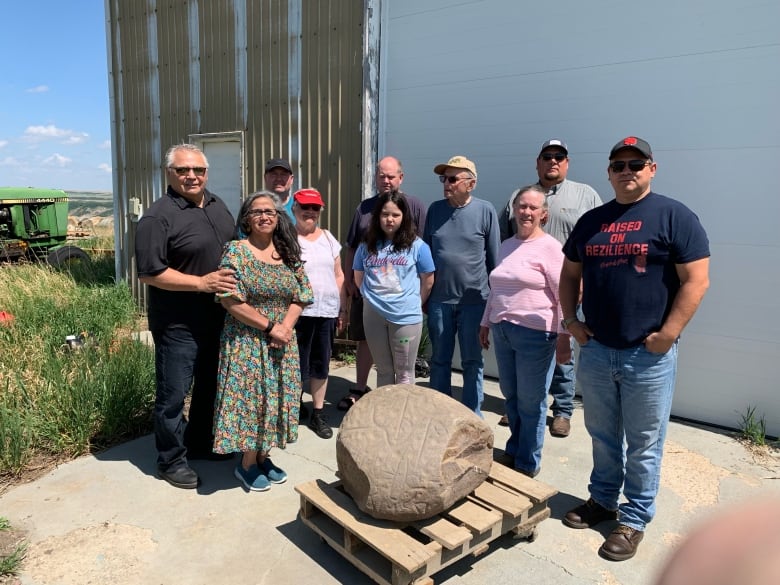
x: 184, y: 358
x: 525, y: 359
x: 562, y: 387
x: 627, y: 398
x: 445, y: 321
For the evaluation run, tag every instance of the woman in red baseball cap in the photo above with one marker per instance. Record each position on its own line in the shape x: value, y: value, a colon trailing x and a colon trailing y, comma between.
x: 316, y: 328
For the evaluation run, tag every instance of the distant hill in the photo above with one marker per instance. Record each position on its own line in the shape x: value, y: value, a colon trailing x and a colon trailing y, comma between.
x: 91, y: 203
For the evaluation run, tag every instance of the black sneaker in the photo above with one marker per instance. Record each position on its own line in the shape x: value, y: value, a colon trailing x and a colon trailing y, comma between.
x: 182, y: 477
x: 318, y: 423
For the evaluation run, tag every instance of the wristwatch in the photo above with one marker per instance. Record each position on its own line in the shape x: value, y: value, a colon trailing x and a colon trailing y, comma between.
x: 566, y: 322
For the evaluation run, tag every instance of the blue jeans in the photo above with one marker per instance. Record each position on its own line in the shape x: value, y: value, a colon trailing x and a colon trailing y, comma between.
x: 184, y: 358
x: 562, y: 387
x: 525, y: 359
x: 445, y: 321
x: 627, y: 398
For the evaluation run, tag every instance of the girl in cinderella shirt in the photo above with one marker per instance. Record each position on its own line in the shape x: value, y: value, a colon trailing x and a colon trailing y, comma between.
x: 394, y: 270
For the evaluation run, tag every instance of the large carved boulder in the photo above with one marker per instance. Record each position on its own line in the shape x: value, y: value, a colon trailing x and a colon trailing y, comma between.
x: 406, y: 453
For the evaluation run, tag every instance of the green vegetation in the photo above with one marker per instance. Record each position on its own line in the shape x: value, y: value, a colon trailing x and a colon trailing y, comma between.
x: 752, y: 428
x: 12, y: 550
x: 57, y: 402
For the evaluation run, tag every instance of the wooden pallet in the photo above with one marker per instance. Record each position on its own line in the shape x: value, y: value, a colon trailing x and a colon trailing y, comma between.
x: 395, y: 553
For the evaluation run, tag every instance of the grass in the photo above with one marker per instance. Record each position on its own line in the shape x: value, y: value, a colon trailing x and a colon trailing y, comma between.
x: 11, y: 557
x: 56, y: 402
x: 752, y: 427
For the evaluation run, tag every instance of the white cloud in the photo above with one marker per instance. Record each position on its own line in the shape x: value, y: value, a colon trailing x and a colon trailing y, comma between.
x: 38, y: 89
x: 3, y: 143
x: 105, y: 167
x: 106, y: 145
x: 50, y: 131
x: 77, y: 138
x: 57, y: 160
x: 10, y: 161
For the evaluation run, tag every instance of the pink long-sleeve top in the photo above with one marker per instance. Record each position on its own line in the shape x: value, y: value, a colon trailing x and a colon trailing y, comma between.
x: 524, y: 284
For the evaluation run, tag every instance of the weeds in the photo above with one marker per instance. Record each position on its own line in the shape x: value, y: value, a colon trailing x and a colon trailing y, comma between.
x: 752, y: 427
x: 11, y: 552
x: 61, y: 402
x: 347, y: 355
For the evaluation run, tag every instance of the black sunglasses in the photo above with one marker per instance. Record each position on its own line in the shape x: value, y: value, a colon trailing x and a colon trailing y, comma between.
x: 183, y: 171
x: 634, y: 165
x: 309, y: 206
x: 548, y: 156
x: 446, y: 179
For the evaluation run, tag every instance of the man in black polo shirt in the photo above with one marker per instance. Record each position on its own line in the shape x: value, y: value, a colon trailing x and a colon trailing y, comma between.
x: 179, y: 243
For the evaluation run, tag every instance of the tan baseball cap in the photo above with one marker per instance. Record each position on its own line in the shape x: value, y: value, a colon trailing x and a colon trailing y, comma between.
x: 456, y: 162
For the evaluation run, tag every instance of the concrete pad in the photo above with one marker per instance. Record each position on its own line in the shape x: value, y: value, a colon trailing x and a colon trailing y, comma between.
x: 108, y: 519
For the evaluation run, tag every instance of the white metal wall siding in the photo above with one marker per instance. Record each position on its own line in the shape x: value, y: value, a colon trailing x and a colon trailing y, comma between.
x: 699, y: 80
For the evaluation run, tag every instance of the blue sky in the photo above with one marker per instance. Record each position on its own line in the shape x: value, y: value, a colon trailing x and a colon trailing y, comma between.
x: 54, y: 111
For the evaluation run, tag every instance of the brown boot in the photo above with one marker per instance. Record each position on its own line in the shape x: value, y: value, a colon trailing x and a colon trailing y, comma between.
x: 621, y: 544
x: 560, y: 427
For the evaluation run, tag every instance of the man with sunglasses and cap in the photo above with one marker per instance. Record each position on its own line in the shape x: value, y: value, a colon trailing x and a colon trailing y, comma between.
x: 566, y: 202
x: 462, y: 232
x: 178, y: 246
x: 643, y: 260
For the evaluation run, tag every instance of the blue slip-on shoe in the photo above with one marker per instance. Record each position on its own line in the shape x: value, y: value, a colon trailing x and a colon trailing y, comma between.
x: 272, y: 472
x: 253, y: 479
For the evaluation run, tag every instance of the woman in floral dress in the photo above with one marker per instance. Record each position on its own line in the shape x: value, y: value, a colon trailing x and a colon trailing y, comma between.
x: 259, y: 384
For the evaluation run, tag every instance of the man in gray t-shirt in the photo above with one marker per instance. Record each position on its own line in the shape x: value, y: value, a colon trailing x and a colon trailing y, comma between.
x: 567, y: 201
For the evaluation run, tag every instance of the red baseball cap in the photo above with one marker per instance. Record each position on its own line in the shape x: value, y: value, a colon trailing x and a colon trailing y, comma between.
x: 308, y: 197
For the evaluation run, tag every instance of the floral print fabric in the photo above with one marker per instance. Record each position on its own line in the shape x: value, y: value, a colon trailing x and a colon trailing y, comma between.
x: 258, y: 387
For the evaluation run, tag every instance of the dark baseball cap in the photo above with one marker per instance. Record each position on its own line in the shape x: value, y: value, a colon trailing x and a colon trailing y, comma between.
x: 278, y: 163
x: 554, y: 142
x: 632, y: 142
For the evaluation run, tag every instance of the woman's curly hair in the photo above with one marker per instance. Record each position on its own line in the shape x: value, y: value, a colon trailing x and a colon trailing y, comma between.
x: 285, y: 236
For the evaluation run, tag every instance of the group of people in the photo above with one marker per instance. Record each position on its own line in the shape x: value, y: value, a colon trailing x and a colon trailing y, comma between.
x: 557, y: 266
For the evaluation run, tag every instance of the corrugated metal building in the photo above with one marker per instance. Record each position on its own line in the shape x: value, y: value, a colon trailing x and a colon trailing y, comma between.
x: 248, y: 81
x: 490, y: 79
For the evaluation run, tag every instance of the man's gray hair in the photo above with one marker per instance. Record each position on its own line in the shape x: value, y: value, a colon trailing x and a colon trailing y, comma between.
x: 187, y: 147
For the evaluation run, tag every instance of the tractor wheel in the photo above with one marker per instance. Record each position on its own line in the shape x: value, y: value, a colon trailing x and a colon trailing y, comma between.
x: 65, y: 256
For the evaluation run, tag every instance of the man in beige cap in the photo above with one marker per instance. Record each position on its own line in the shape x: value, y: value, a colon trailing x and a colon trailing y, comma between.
x: 463, y: 234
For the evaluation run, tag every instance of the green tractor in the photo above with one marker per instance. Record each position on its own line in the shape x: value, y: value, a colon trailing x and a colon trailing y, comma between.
x: 34, y: 226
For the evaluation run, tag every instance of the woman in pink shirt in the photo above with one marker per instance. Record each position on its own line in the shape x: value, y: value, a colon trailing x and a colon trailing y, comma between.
x: 523, y: 315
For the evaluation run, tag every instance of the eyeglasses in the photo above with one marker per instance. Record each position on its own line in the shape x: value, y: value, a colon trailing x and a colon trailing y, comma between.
x: 261, y: 212
x: 183, y: 171
x: 309, y: 206
x: 548, y: 156
x: 634, y: 165
x: 446, y: 179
